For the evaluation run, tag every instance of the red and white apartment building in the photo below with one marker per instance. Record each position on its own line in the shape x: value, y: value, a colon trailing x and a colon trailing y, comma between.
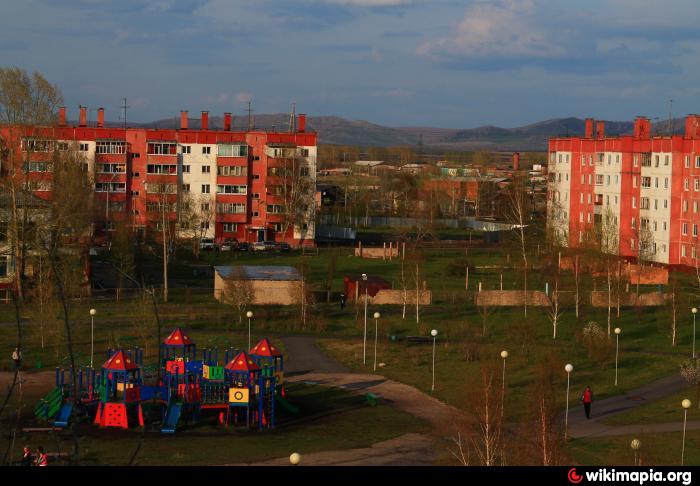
x: 645, y: 187
x: 232, y: 175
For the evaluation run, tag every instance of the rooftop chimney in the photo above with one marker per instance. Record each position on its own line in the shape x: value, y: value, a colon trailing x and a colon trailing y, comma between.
x: 589, y: 128
x: 83, y: 116
x: 100, y: 117
x: 642, y: 127
x: 516, y: 161
x: 205, y: 120
x: 62, y: 116
x: 227, y: 122
x: 183, y: 120
x: 301, y: 124
x: 692, y: 126
x: 600, y: 129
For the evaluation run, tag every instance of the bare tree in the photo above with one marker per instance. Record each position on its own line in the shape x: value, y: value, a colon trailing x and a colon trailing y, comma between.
x: 518, y: 216
x: 555, y: 311
x: 488, y: 440
x: 238, y: 291
x: 291, y: 201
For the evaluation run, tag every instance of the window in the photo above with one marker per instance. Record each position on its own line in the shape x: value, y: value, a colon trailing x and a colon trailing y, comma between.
x: 206, y: 150
x: 33, y: 145
x: 83, y: 147
x: 695, y: 206
x: 38, y: 167
x: 646, y: 181
x: 635, y: 160
x: 231, y: 189
x: 683, y: 250
x: 206, y: 169
x: 599, y: 179
x: 583, y: 179
x: 232, y: 150
x: 230, y: 208
x: 665, y: 182
x: 687, y: 164
x: 686, y: 186
x: 695, y: 230
x: 256, y: 196
x: 185, y: 188
x: 634, y: 202
x: 185, y: 169
x: 656, y: 160
x: 204, y: 225
x: 590, y: 179
x: 111, y: 168
x: 685, y: 229
x: 204, y: 207
x: 159, y: 207
x: 230, y: 227
x: 634, y: 181
x: 156, y: 188
x: 697, y: 162
x: 634, y: 222
x: 644, y: 203
x: 696, y: 184
x: 186, y: 149
x: 617, y: 159
x: 693, y: 252
x: 685, y: 206
x: 170, y: 169
x: 275, y: 209
x: 607, y: 180
x: 583, y: 160
x: 666, y: 159
x: 632, y: 243
x: 110, y: 187
x: 656, y: 182
x: 232, y: 170
x: 162, y: 148
x: 110, y: 147
x: 206, y: 189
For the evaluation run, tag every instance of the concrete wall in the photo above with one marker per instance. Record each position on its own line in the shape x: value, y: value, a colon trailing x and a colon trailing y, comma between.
x: 265, y: 292
x: 511, y: 298
x: 396, y: 297
x: 650, y: 299
x: 387, y: 252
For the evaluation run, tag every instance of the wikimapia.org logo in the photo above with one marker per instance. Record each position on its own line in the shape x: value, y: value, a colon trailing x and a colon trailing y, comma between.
x: 638, y: 477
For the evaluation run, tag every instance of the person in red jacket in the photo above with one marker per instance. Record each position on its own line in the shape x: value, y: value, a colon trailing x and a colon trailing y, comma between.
x: 587, y: 398
x: 42, y: 459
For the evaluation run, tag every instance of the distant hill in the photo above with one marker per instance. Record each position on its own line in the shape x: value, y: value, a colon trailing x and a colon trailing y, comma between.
x: 340, y: 131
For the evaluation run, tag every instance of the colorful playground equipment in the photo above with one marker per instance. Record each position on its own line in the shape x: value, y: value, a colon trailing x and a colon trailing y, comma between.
x: 241, y: 389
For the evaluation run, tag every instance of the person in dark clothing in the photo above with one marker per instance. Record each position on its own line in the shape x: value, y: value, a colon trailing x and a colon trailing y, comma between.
x: 27, y: 458
x: 587, y: 399
x: 342, y: 301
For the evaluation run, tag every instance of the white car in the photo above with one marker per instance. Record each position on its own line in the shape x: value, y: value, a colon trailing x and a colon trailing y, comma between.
x: 207, y: 244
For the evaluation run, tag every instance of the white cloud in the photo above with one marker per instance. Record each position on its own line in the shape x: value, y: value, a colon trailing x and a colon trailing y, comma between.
x: 502, y: 29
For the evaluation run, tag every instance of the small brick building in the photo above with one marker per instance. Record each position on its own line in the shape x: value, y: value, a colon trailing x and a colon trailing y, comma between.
x: 265, y: 285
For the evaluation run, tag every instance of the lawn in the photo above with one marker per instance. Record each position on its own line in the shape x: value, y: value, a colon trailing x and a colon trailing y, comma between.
x: 327, y: 420
x: 665, y: 410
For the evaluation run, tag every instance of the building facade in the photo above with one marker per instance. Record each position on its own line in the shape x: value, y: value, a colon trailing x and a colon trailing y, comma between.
x: 639, y: 194
x: 250, y: 185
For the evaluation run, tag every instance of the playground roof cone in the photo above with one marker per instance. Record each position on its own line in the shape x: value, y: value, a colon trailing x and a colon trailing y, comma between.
x: 242, y: 362
x: 120, y: 361
x: 265, y: 348
x: 178, y: 338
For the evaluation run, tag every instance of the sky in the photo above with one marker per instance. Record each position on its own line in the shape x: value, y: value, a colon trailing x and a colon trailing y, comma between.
x: 441, y: 63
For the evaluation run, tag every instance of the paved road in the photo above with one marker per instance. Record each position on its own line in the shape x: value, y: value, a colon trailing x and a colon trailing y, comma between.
x: 303, y: 356
x: 580, y: 427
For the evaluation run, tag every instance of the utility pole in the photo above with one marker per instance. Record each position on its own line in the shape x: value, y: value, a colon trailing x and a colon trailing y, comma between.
x: 670, y: 117
x: 292, y: 119
x: 165, y: 252
x: 124, y: 107
x: 250, y: 115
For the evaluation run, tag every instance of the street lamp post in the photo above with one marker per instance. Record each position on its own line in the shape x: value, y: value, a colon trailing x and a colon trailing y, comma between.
x: 636, y: 444
x: 694, y: 310
x: 617, y: 349
x: 568, y: 368
x: 364, y: 339
x: 295, y: 459
x: 433, y: 333
x: 249, y: 315
x: 686, y: 405
x: 92, y: 335
x: 504, y: 355
x: 377, y: 315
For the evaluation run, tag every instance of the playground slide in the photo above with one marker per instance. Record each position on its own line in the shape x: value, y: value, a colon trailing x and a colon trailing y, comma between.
x: 291, y: 408
x: 49, y: 405
x: 63, y: 415
x: 172, y: 416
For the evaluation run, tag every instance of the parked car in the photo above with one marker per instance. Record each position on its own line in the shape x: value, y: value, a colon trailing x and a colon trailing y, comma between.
x: 283, y: 247
x: 207, y: 244
x: 243, y: 246
x: 264, y: 245
x: 229, y: 244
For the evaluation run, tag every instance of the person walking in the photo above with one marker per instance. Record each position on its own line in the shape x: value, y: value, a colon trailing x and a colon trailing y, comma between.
x: 342, y: 301
x: 587, y: 399
x: 27, y: 458
x: 42, y: 459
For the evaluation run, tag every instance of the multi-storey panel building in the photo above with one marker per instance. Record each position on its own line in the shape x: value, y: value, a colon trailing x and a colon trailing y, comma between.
x: 235, y: 181
x: 642, y: 192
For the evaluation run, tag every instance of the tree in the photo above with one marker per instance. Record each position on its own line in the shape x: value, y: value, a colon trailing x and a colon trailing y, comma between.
x: 488, y: 421
x: 122, y: 254
x: 195, y: 215
x: 25, y: 101
x: 291, y: 201
x: 518, y: 216
x: 238, y: 292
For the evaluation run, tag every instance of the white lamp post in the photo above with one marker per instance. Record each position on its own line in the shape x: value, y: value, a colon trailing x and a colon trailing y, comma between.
x: 694, y: 310
x: 377, y: 315
x: 618, y: 331
x: 568, y: 368
x: 93, y: 312
x: 504, y: 355
x: 295, y: 459
x: 636, y: 444
x: 433, y: 333
x: 686, y: 405
x: 249, y: 315
x: 364, y: 339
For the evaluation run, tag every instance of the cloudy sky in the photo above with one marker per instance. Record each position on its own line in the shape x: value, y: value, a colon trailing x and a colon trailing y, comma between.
x: 444, y: 63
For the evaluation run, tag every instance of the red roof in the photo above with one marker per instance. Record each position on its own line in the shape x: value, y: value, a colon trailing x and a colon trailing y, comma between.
x: 120, y: 362
x: 242, y: 362
x: 265, y: 348
x: 178, y: 338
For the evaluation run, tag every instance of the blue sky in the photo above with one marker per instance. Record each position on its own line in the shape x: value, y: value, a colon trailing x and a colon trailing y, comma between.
x: 443, y: 63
